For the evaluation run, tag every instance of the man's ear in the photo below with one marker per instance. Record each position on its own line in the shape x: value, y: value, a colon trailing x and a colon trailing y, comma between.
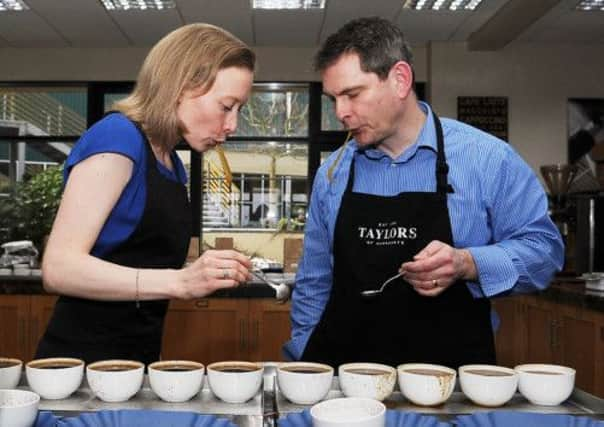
x: 402, y: 73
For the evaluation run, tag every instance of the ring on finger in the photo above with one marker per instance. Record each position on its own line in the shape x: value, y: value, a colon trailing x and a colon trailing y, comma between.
x: 225, y: 274
x: 434, y: 283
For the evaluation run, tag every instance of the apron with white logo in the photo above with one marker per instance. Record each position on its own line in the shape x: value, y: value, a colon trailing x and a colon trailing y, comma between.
x: 373, y: 236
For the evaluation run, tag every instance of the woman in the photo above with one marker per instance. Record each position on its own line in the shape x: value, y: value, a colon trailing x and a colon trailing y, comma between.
x: 120, y: 238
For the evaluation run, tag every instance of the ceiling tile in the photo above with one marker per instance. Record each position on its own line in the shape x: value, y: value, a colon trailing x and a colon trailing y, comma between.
x: 565, y: 24
x: 232, y: 15
x: 287, y: 27
x: 83, y: 23
x: 27, y: 29
x: 422, y: 26
x: 339, y: 12
x: 146, y: 27
x: 475, y: 20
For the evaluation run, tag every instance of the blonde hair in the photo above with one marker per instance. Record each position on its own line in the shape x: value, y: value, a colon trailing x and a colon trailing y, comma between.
x: 188, y: 58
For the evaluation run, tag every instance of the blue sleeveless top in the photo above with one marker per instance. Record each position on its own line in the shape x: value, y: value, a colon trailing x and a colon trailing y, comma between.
x: 115, y: 133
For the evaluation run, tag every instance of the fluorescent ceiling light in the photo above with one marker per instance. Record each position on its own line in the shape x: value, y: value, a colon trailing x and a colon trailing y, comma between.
x: 597, y: 5
x: 138, y: 4
x: 288, y: 4
x: 453, y: 5
x: 17, y: 5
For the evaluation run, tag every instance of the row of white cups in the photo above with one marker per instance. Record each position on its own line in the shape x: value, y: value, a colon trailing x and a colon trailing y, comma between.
x: 303, y: 383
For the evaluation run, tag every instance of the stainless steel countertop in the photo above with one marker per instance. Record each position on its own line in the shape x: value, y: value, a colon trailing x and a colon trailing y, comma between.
x: 268, y: 405
x: 580, y: 403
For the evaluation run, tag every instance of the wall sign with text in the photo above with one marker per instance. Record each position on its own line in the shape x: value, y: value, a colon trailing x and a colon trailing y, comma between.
x: 489, y: 113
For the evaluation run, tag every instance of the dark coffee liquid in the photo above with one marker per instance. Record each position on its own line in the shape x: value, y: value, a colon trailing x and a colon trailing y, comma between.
x: 55, y: 365
x: 114, y: 368
x: 175, y: 368
x: 367, y: 371
x: 234, y: 369
x: 7, y: 364
x: 544, y: 372
x: 488, y: 372
x: 431, y: 372
x: 305, y: 370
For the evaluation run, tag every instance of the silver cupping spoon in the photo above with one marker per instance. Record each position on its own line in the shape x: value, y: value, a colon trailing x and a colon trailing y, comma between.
x: 375, y: 292
x: 282, y: 291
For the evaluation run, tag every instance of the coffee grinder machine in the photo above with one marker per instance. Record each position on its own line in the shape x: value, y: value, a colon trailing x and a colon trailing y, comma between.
x: 558, y: 178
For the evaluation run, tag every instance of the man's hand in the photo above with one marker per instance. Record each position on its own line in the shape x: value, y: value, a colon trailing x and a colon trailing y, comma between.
x: 438, y: 266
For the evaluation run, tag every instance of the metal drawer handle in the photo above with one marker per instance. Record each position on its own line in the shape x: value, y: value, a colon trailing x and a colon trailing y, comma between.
x: 202, y: 303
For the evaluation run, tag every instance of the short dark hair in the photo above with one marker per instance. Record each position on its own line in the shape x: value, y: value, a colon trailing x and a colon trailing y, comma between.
x: 379, y: 44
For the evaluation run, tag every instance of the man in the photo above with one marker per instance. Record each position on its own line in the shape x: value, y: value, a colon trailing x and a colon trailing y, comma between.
x: 455, y: 210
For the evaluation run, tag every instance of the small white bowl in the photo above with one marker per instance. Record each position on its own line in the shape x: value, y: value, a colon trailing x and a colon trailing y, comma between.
x: 176, y: 380
x: 488, y: 385
x: 370, y: 380
x: 235, y: 381
x: 349, y: 412
x: 304, y: 383
x: 425, y: 384
x: 115, y: 380
x: 10, y: 372
x: 56, y: 377
x: 18, y: 408
x: 546, y: 385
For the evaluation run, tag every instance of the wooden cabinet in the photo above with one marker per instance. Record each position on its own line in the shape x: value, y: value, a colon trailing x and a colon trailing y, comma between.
x: 23, y: 319
x: 270, y: 329
x: 575, y: 344
x: 206, y: 330
x: 541, y: 333
x: 534, y: 330
x: 213, y: 329
x: 510, y: 339
x: 14, y: 313
x: 42, y: 307
x: 599, y: 377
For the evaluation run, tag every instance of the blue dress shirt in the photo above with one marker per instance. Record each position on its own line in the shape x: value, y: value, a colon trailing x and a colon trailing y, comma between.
x: 498, y: 212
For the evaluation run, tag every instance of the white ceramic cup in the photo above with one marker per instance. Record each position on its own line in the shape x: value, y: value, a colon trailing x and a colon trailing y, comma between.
x: 176, y: 380
x: 546, y: 385
x: 18, y: 408
x: 56, y: 377
x: 235, y: 381
x: 370, y: 380
x: 426, y: 384
x: 349, y: 412
x: 304, y: 383
x: 115, y: 380
x: 488, y: 385
x: 10, y: 372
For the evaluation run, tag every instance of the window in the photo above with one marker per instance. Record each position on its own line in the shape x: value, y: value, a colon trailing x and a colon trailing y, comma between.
x: 268, y: 158
x: 38, y: 126
x: 267, y: 198
x: 329, y: 121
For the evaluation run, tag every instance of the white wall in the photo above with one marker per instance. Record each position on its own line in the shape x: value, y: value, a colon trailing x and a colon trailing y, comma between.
x: 537, y: 79
x: 274, y: 64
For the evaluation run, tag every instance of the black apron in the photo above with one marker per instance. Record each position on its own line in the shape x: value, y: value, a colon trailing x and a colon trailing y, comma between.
x: 96, y: 330
x: 373, y: 236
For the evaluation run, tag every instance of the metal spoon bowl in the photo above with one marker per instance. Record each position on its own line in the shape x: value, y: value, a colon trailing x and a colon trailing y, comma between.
x: 282, y: 291
x: 371, y: 293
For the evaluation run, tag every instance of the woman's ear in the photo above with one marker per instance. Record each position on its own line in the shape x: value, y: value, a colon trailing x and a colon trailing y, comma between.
x: 402, y: 73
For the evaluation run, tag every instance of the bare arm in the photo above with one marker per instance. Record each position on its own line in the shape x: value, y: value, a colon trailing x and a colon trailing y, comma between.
x: 93, y: 188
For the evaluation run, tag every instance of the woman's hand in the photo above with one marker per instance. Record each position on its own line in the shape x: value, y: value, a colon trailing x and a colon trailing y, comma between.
x: 212, y: 271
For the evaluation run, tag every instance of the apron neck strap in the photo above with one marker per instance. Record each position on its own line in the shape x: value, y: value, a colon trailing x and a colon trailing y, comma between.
x: 442, y: 168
